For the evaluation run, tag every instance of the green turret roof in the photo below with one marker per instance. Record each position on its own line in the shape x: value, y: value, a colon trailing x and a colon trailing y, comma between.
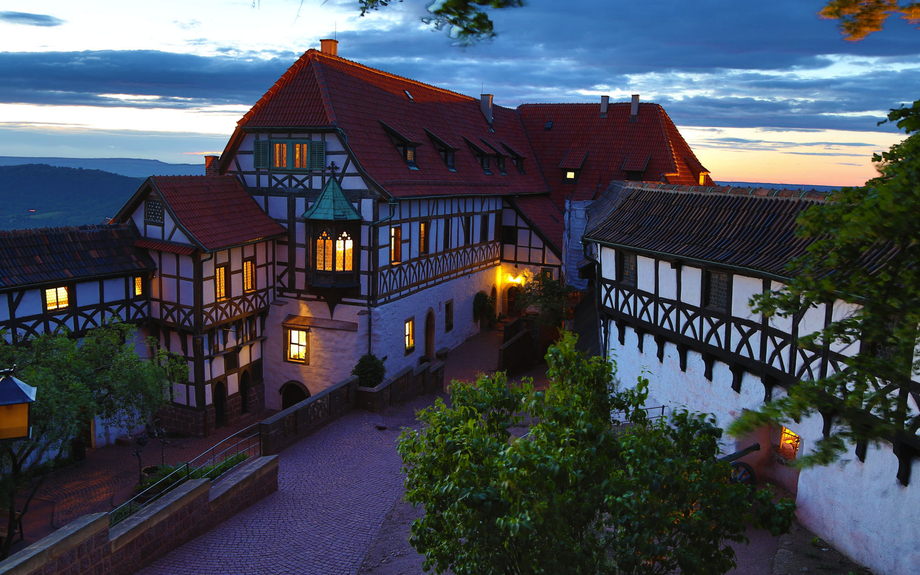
x: 332, y: 205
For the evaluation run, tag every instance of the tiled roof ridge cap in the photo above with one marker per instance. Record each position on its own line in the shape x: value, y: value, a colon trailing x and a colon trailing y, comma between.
x: 323, y: 90
x: 663, y: 121
x: 279, y: 83
x: 626, y: 103
x: 395, y: 76
x: 21, y: 232
x: 769, y: 193
x: 195, y: 177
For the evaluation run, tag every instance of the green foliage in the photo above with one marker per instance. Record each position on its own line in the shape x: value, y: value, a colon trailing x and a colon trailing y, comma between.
x: 370, y: 370
x: 484, y: 307
x: 575, y: 494
x: 549, y: 296
x: 865, y: 254
x: 859, y: 18
x: 102, y: 375
x: 465, y: 20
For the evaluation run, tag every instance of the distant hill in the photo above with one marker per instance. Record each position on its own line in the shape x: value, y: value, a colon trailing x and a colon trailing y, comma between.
x: 780, y: 186
x: 39, y: 195
x: 134, y: 168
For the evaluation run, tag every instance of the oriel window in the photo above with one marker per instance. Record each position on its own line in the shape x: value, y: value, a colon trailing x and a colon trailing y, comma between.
x: 324, y: 252
x: 344, y: 247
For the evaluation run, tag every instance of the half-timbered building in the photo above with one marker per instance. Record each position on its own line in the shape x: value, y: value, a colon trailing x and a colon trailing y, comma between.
x: 72, y: 279
x: 214, y: 252
x: 676, y: 268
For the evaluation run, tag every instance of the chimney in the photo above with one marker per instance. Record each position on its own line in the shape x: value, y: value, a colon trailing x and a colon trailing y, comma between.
x: 212, y: 165
x: 634, y: 108
x: 485, y: 104
x: 605, y: 102
x: 329, y: 46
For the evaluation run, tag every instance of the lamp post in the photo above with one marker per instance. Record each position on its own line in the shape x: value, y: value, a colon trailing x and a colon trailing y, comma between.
x: 16, y: 400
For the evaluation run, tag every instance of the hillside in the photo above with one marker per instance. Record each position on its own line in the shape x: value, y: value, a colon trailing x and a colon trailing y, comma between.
x: 132, y: 167
x: 39, y: 195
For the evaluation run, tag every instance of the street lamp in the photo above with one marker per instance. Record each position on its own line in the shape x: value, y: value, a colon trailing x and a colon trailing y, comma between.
x: 15, y: 407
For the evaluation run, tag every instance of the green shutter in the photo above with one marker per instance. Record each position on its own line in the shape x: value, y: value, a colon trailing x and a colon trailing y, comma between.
x: 260, y: 152
x: 317, y: 155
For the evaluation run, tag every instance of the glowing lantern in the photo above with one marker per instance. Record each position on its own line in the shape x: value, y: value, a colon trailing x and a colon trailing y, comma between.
x: 15, y: 407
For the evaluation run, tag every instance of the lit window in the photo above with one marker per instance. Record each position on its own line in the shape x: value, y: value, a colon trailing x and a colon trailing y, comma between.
x: 301, y: 156
x: 789, y: 444
x: 220, y: 283
x: 138, y: 286
x: 298, y: 346
x: 570, y: 175
x: 449, y: 315
x: 410, y: 336
x: 324, y: 252
x: 280, y: 155
x: 423, y: 238
x: 56, y: 298
x: 153, y: 211
x: 249, y: 275
x: 395, y: 244
x: 343, y: 253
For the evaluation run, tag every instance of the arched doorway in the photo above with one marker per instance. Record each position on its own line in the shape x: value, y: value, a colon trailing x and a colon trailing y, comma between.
x: 292, y: 393
x: 511, y: 302
x: 245, y: 384
x: 429, y: 334
x: 220, y: 405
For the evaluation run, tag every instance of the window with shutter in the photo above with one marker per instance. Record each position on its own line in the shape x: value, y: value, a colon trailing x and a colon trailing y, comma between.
x: 317, y: 155
x: 260, y: 152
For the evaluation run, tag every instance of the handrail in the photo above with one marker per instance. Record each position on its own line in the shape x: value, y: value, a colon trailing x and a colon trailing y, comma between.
x: 186, y: 470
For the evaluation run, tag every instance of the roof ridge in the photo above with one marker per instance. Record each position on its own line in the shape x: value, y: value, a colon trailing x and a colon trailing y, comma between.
x: 281, y: 82
x: 663, y: 120
x: 20, y: 232
x: 392, y: 75
x: 768, y: 193
x: 323, y: 90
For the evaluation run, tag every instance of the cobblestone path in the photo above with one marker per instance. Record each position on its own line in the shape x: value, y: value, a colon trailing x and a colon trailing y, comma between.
x: 335, y: 488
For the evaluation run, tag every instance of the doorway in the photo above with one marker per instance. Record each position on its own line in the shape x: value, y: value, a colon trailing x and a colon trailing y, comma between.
x: 512, y: 296
x: 429, y: 334
x: 244, y: 392
x: 292, y: 393
x: 220, y: 405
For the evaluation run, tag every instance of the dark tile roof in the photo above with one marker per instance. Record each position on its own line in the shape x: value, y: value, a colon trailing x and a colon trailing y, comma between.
x: 751, y: 228
x: 324, y: 90
x: 614, y: 144
x: 216, y: 210
x: 54, y: 255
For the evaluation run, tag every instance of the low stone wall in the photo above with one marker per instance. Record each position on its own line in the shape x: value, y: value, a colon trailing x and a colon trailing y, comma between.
x: 298, y: 421
x: 406, y: 384
x: 517, y: 354
x: 89, y: 546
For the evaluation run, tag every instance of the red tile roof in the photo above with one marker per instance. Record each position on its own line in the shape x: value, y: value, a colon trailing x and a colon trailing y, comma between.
x: 750, y: 228
x: 615, y: 145
x: 324, y: 90
x: 545, y: 215
x: 56, y: 255
x: 216, y: 211
x: 165, y: 247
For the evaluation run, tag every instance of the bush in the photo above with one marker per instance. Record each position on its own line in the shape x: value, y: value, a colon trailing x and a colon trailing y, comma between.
x: 370, y: 370
x: 484, y: 307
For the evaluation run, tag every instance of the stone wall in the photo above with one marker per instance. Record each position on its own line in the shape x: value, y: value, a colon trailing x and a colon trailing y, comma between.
x: 408, y: 383
x: 89, y: 546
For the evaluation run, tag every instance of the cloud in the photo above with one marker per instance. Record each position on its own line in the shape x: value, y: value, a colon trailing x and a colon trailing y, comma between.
x: 26, y: 19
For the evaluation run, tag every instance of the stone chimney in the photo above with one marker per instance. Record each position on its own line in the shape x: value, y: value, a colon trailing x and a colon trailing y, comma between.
x: 605, y: 103
x: 634, y: 108
x: 212, y: 165
x: 329, y: 46
x: 485, y: 104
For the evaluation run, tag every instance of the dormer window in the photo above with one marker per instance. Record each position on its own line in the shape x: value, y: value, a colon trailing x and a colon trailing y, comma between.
x: 445, y: 150
x: 634, y: 166
x: 499, y: 156
x: 483, y: 157
x: 571, y: 165
x: 516, y: 157
x: 404, y: 145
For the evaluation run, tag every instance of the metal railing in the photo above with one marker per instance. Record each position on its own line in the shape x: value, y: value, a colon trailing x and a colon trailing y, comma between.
x: 211, y: 464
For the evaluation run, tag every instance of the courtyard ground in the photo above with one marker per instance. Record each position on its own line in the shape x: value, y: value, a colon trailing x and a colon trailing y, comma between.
x: 339, y: 507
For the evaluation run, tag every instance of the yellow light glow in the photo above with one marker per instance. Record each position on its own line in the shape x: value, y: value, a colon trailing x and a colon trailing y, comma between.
x: 789, y: 444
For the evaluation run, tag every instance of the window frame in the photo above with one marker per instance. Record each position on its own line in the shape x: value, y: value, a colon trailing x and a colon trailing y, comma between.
x: 409, y: 335
x: 221, y: 282
x: 710, y: 291
x: 395, y: 244
x: 249, y: 273
x: 156, y: 206
x: 424, y: 237
x: 137, y: 286
x: 623, y: 259
x: 57, y: 290
x: 312, y: 158
x: 467, y: 230
x: 484, y: 228
x: 448, y: 315
x: 446, y: 240
x: 289, y: 345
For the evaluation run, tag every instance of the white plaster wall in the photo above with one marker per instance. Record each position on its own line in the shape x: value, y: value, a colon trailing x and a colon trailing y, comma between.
x: 860, y: 507
x: 88, y: 293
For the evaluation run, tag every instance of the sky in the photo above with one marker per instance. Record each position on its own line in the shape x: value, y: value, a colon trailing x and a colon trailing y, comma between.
x: 763, y: 92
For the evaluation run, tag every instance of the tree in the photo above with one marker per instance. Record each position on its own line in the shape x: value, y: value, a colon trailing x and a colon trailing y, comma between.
x: 859, y: 18
x: 547, y: 295
x: 866, y: 251
x: 574, y: 494
x: 465, y: 20
x: 104, y: 375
